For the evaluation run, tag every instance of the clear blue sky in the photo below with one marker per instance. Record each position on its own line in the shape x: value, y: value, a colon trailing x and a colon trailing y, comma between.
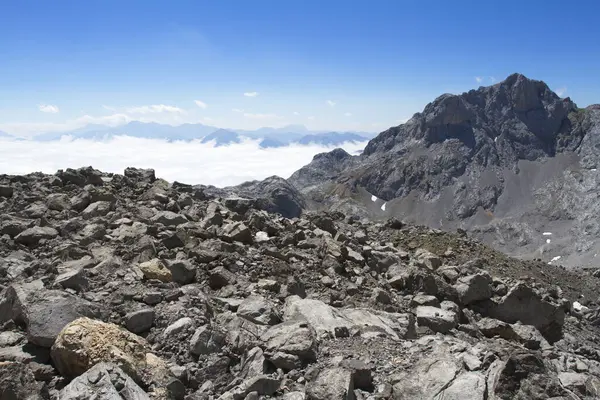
x: 378, y: 61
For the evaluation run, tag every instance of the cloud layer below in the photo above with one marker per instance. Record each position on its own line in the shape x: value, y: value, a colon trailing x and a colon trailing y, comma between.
x: 187, y: 162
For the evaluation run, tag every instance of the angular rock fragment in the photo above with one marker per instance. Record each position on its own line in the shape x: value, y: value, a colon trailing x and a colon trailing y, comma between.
x: 106, y: 381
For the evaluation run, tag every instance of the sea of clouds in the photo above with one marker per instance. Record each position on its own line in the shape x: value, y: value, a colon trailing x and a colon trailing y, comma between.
x: 188, y: 162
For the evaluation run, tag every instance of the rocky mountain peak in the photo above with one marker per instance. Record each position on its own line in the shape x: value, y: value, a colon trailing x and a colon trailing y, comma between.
x: 518, y: 105
x: 503, y: 160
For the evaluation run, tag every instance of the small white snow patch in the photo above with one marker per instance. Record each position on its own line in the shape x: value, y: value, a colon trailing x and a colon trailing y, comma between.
x: 261, y: 236
x: 547, y: 234
x: 554, y: 259
x: 383, y: 207
x: 577, y: 306
x: 495, y: 139
x: 548, y: 241
x: 593, y: 169
x: 373, y: 197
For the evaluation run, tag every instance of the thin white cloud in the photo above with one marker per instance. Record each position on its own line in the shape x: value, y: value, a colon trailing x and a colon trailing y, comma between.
x: 330, y: 103
x: 189, y: 162
x: 200, y: 104
x: 348, y: 114
x: 561, y: 91
x: 207, y: 119
x: 109, y: 108
x: 479, y: 79
x: 311, y: 118
x: 155, y: 108
x: 402, y: 120
x: 237, y: 110
x: 492, y: 79
x: 262, y: 116
x: 296, y: 113
x: 251, y: 94
x: 48, y: 108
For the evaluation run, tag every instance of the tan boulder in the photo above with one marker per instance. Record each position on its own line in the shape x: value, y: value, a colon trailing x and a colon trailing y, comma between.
x: 85, y: 342
x: 155, y: 269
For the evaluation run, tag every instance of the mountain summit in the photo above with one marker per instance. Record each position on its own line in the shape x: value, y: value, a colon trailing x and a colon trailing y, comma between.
x: 505, y: 161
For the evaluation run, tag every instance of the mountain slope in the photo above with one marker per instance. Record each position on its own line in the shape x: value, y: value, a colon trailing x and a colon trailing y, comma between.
x: 222, y: 137
x: 508, y: 162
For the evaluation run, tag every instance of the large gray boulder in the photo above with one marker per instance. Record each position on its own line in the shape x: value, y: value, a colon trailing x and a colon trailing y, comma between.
x: 294, y: 338
x: 331, y: 384
x: 139, y: 175
x: 140, y: 321
x: 436, y: 319
x: 273, y: 194
x: 328, y: 321
x: 103, y: 381
x: 169, y: 218
x: 474, y: 288
x: 182, y: 271
x: 206, y: 340
x: 523, y: 304
x: 258, y: 310
x: 44, y: 312
x: 32, y: 236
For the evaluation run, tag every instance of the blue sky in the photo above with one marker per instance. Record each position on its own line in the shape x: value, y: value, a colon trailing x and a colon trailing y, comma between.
x: 343, y: 65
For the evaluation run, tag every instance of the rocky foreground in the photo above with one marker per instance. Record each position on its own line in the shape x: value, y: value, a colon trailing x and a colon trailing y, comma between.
x: 127, y: 287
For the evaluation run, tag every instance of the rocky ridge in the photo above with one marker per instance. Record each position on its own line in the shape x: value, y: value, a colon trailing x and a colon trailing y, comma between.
x: 506, y: 162
x: 126, y: 286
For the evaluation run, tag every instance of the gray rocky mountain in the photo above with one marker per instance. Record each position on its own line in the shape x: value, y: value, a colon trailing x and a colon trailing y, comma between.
x: 128, y: 287
x: 513, y: 163
x: 222, y: 137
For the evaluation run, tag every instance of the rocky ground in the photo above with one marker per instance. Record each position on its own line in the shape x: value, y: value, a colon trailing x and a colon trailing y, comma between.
x: 125, y: 286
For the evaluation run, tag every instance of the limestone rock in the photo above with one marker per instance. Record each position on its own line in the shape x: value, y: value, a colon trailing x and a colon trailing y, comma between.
x: 32, y: 236
x: 155, y: 269
x: 331, y: 384
x: 86, y: 342
x: 103, y: 381
x: 436, y: 319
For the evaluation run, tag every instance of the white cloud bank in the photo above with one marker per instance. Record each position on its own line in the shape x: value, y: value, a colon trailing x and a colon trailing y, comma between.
x: 251, y: 94
x: 48, y: 108
x: 262, y: 116
x: 188, y: 162
x: 155, y: 108
x: 200, y: 104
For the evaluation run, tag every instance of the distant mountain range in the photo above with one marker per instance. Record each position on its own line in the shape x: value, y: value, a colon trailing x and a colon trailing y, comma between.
x: 267, y: 137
